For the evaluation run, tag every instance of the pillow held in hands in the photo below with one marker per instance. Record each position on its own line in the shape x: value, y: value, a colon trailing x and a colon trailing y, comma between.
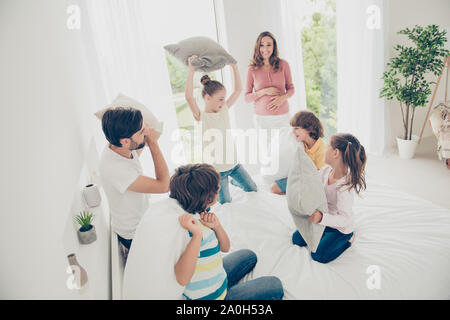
x: 211, y: 56
x: 305, y: 194
x: 123, y: 101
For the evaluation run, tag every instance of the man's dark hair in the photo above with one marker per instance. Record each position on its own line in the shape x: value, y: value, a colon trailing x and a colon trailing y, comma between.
x: 121, y: 123
x: 194, y: 186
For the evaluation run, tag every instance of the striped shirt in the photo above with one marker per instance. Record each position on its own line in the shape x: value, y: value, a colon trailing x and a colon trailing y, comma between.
x: 209, y: 281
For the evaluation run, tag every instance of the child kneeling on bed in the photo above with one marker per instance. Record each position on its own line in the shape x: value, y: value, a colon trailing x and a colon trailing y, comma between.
x: 344, y: 174
x: 200, y: 268
x: 308, y: 130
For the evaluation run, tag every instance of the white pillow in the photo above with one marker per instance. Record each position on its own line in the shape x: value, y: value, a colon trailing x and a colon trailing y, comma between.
x: 305, y: 194
x: 158, y: 244
x: 123, y: 101
x: 283, y: 157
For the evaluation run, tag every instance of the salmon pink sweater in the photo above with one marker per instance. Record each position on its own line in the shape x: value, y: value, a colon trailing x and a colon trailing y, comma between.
x: 260, y: 78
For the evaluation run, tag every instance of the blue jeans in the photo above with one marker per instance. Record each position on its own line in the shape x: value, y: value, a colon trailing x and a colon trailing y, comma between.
x: 237, y: 265
x: 332, y: 244
x: 282, y: 183
x: 126, y: 242
x: 241, y: 178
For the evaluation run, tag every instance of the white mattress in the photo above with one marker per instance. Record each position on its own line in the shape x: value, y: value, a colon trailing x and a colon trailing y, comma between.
x: 405, y: 237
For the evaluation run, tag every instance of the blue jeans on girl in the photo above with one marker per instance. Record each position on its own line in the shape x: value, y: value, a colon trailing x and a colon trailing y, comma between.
x: 332, y: 244
x: 237, y: 264
x: 240, y: 177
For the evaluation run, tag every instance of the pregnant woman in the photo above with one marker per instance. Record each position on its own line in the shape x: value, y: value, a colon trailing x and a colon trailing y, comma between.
x: 269, y: 84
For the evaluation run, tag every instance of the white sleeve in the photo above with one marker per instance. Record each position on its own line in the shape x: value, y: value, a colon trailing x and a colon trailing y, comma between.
x: 344, y: 214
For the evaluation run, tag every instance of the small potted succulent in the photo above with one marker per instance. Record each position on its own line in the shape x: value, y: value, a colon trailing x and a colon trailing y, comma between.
x: 86, y: 233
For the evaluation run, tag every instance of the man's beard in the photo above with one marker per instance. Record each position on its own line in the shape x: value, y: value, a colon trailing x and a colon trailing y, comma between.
x: 135, y: 146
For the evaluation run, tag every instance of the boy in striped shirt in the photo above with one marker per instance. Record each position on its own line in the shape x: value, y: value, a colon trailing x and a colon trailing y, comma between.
x: 201, y: 269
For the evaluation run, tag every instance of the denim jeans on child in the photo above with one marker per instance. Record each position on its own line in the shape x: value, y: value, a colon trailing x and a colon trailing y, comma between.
x: 241, y: 178
x: 126, y: 242
x: 282, y: 184
x: 332, y: 244
x: 237, y: 264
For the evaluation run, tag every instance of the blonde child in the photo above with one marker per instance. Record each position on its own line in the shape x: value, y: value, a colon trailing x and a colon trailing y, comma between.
x: 342, y: 177
x: 215, y: 122
x: 308, y: 130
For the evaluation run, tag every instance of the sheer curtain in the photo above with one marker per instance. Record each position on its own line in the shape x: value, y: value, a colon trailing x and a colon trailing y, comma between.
x: 125, y: 46
x: 291, y: 45
x: 361, y: 33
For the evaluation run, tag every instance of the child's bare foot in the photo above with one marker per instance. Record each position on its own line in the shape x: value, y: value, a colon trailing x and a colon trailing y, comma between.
x: 352, y: 238
x: 274, y: 188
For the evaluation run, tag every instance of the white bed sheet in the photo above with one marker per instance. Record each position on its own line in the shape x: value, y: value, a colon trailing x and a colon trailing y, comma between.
x: 405, y: 237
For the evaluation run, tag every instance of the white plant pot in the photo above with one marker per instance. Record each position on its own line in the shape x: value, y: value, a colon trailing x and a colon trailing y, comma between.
x: 407, y: 148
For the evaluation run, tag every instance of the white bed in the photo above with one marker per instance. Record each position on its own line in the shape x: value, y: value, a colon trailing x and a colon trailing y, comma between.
x: 404, y: 237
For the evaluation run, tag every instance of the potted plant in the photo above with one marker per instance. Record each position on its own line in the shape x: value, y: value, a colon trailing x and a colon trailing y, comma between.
x: 86, y: 233
x: 405, y: 78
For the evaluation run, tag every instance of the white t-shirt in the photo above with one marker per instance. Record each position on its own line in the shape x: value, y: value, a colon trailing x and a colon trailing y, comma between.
x: 127, y: 207
x: 217, y: 141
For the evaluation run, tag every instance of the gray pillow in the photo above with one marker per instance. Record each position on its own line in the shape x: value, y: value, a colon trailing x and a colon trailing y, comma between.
x: 305, y: 194
x: 211, y: 55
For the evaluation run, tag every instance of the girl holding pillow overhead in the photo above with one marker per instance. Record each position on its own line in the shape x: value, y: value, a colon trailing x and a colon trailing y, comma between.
x: 342, y: 177
x: 269, y: 84
x: 215, y: 123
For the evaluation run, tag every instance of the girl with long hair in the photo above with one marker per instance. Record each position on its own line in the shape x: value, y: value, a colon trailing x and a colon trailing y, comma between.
x: 343, y: 176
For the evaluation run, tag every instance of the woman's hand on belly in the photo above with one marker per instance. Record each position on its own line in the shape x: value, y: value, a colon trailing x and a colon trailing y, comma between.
x: 270, y: 91
x: 276, y: 102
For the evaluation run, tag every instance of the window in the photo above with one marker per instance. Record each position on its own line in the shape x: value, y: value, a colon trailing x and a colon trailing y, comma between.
x: 318, y: 34
x: 204, y: 24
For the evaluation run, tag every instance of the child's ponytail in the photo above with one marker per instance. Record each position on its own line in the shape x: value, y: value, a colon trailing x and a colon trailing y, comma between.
x: 353, y: 156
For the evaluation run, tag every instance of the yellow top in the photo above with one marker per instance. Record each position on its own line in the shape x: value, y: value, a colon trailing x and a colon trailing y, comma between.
x: 317, y: 153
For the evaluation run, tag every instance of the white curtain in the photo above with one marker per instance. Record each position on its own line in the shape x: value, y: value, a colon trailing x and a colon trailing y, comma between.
x: 125, y: 46
x: 361, y: 34
x: 291, y: 44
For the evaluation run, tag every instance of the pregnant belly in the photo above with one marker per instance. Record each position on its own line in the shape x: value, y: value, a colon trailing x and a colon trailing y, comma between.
x: 262, y: 106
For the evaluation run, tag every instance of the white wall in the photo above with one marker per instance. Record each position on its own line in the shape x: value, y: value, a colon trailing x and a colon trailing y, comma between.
x: 50, y: 146
x: 407, y: 13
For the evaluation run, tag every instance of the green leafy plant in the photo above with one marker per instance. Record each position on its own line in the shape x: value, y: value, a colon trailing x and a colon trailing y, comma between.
x: 319, y: 53
x: 84, y: 219
x: 405, y: 78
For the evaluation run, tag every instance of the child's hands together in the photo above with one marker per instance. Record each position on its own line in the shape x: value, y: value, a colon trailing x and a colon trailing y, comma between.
x: 316, y: 217
x: 188, y: 222
x: 209, y: 219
